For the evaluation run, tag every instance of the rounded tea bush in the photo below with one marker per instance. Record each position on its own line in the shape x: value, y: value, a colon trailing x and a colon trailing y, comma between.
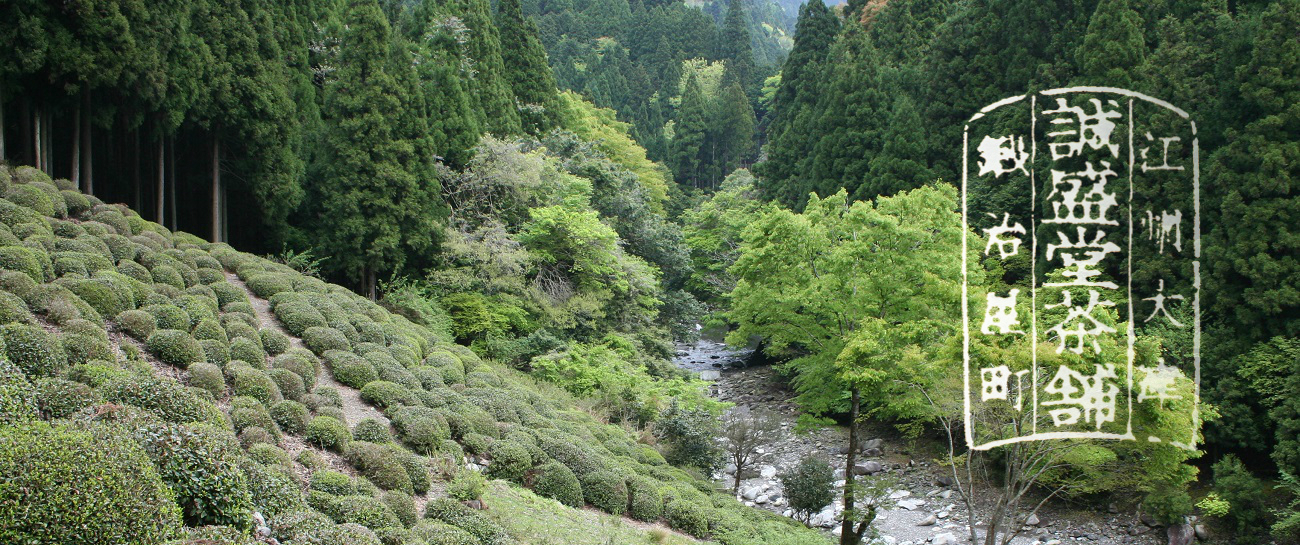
x: 274, y: 342
x: 169, y: 316
x: 510, y: 461
x: 14, y: 310
x: 265, y: 285
x: 271, y: 455
x: 606, y: 490
x: 323, y: 339
x: 81, y: 487
x: 136, y: 323
x: 273, y: 488
x: 255, y: 435
x: 332, y: 482
x: 645, y: 502
x: 686, y: 516
x: 256, y: 384
x: 216, y: 352
x: 384, y: 394
x: 247, y: 350
x: 440, y: 533
x: 328, y: 433
x: 302, y: 364
x: 204, y: 467
x: 23, y: 260
x: 558, y: 482
x: 33, y: 350
x: 291, y: 416
x: 478, y: 524
x: 175, y: 347
x: 81, y: 348
x: 380, y: 465
x: 403, y: 505
x: 59, y: 398
x: 208, y: 377
x: 290, y: 383
x: 420, y: 428
x: 371, y: 430
x: 350, y: 369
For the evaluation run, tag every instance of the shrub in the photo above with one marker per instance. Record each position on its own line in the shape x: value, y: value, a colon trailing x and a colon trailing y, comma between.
x: 162, y: 396
x: 476, y: 443
x: 466, y: 485
x: 510, y: 461
x: 32, y: 349
x: 809, y: 486
x: 328, y: 433
x: 256, y: 384
x: 175, y: 347
x: 644, y: 500
x: 383, y: 394
x: 226, y: 292
x: 136, y: 323
x: 302, y: 364
x: 95, y: 373
x: 81, y: 348
x: 332, y: 482
x: 371, y: 430
x: 169, y: 316
x: 255, y: 435
x: 366, y: 511
x: 402, y: 505
x: 216, y: 352
x: 208, y: 377
x: 265, y: 285
x: 1246, y: 493
x: 198, y: 308
x: 209, y: 329
x: 304, y: 527
x: 247, y: 350
x: 311, y: 459
x: 70, y: 486
x: 298, y: 317
x: 479, y: 525
x: 606, y: 490
x: 441, y: 533
x: 246, y: 412
x: 271, y: 455
x: 274, y: 342
x: 274, y: 490
x: 326, y: 397
x: 14, y: 309
x: 290, y: 383
x: 291, y: 416
x: 23, y: 260
x: 420, y: 428
x: 687, y: 517
x: 100, y: 296
x: 323, y: 339
x: 567, y: 451
x: 378, y: 464
x: 429, y: 377
x: 166, y: 274
x: 333, y: 412
x: 350, y: 369
x: 59, y: 398
x: 203, y: 466
x: 557, y: 481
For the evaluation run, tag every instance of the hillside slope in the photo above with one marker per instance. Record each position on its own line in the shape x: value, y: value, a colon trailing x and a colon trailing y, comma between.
x: 157, y: 388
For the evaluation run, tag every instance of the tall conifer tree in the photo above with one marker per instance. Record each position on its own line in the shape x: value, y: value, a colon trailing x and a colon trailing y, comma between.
x: 527, y: 69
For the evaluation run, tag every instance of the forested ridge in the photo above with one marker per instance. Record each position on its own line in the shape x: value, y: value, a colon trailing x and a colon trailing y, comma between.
x: 525, y: 203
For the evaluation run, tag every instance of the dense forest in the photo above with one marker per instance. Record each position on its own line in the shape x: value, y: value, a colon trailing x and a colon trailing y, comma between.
x: 530, y: 202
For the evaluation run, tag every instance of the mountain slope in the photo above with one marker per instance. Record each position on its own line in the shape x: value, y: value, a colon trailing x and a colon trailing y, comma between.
x: 157, y: 387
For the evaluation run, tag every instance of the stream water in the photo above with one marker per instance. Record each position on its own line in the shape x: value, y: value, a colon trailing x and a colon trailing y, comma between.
x: 922, y: 509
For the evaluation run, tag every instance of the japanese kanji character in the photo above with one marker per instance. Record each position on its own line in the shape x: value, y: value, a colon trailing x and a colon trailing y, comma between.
x: 1159, y: 300
x: 1165, y: 141
x: 995, y: 237
x: 1093, y: 396
x: 1080, y: 323
x: 1080, y: 257
x: 1158, y: 383
x: 1090, y: 207
x: 1092, y: 129
x: 1000, y: 313
x: 1002, y: 155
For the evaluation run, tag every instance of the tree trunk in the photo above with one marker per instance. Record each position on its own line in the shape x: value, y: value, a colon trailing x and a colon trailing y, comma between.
x: 76, y: 147
x: 848, y: 535
x: 37, y: 140
x: 216, y: 188
x: 162, y: 182
x: 86, y: 173
x: 135, y: 171
x: 2, y: 126
x: 171, y: 180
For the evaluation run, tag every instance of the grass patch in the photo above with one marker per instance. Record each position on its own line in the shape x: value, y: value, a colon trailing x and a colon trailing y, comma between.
x: 533, y: 519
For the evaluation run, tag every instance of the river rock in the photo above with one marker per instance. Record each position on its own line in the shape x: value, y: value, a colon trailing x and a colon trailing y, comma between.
x: 911, y: 504
x: 767, y: 472
x: 1033, y: 520
x: 899, y: 494
x: 929, y: 521
x: 1181, y: 534
x: 946, y: 538
x: 869, y: 467
x: 751, y: 493
x: 1202, y: 533
x: 873, y: 443
x: 730, y: 469
x: 710, y: 375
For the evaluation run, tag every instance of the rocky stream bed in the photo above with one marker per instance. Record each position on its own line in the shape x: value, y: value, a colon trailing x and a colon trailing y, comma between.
x: 923, y: 508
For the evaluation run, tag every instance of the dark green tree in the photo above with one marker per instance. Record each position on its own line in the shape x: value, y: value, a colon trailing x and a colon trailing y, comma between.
x: 689, y: 135
x: 380, y: 201
x: 1113, y: 47
x: 733, y: 133
x: 734, y: 45
x: 526, y: 69
x: 485, y: 79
